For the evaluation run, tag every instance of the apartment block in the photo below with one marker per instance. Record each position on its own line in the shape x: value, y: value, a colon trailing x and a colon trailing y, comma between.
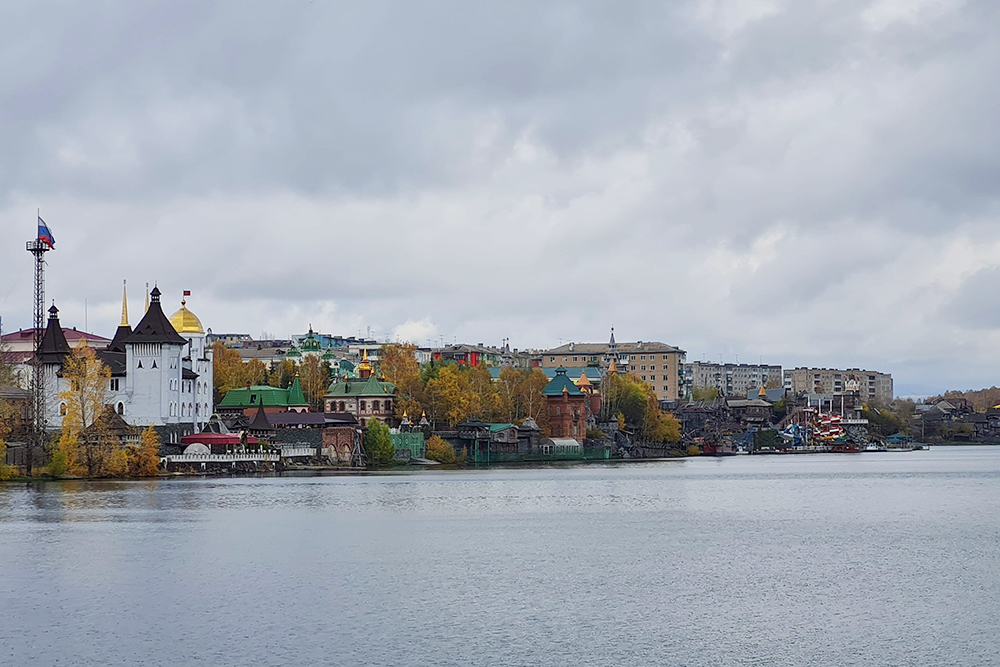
x: 731, y: 379
x: 657, y: 363
x: 873, y: 387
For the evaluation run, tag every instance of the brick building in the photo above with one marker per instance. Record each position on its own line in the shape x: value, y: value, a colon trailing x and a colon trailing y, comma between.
x: 567, y: 406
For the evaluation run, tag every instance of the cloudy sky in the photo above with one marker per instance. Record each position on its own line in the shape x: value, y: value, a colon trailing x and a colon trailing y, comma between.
x: 799, y: 182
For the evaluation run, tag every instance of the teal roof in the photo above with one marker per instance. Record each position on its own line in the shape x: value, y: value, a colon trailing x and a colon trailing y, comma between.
x: 370, y: 387
x: 559, y: 382
x: 499, y: 427
x: 593, y: 373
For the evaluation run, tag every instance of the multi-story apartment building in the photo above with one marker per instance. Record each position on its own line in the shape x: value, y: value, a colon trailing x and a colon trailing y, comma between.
x: 731, y: 379
x: 657, y: 363
x: 873, y: 386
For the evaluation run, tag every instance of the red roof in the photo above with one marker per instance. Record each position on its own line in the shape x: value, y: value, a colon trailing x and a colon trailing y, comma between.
x: 71, y: 335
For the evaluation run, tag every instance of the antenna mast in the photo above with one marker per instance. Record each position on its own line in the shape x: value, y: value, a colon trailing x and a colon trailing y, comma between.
x: 37, y: 248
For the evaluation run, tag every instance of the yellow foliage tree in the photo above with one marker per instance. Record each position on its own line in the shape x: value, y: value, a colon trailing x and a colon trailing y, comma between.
x: 440, y: 450
x: 86, y: 393
x: 451, y: 397
x: 115, y: 464
x: 397, y: 363
x: 283, y: 374
x: 145, y: 459
x: 315, y: 379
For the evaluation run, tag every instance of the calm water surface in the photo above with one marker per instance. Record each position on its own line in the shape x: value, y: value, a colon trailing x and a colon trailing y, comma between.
x: 876, y: 558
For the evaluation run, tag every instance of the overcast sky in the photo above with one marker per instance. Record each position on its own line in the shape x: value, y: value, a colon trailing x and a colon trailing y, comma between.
x: 807, y: 183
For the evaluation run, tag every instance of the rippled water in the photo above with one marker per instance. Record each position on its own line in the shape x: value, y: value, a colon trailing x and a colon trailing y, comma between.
x: 876, y: 558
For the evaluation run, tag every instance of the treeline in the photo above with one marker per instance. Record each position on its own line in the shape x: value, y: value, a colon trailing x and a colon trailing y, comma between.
x: 635, y: 405
x: 981, y: 399
x: 450, y: 393
x: 229, y: 372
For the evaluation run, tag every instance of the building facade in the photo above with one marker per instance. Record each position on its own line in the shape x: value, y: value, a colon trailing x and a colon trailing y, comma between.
x: 872, y: 386
x: 566, y: 405
x: 658, y: 364
x: 161, y: 371
x: 730, y: 379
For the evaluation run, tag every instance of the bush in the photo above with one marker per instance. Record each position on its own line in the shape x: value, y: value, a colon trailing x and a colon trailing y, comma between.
x: 59, y: 463
x: 441, y: 451
x: 694, y: 450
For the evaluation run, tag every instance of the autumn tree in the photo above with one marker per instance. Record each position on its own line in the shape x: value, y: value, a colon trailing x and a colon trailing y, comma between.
x: 315, y: 380
x: 228, y: 371
x: 254, y: 373
x: 440, y: 450
x: 7, y: 411
x: 144, y: 460
x: 485, y: 402
x: 378, y: 442
x: 450, y: 396
x: 87, y: 388
x: 397, y: 363
x: 519, y: 394
x: 636, y: 405
x: 283, y: 374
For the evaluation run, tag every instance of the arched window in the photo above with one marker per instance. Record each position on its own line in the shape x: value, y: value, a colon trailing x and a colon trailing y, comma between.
x: 341, y: 406
x: 121, y: 408
x: 374, y: 406
x: 62, y: 409
x: 388, y: 406
x: 362, y: 406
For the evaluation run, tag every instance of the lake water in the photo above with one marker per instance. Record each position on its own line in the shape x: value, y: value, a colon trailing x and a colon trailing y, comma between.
x: 875, y: 558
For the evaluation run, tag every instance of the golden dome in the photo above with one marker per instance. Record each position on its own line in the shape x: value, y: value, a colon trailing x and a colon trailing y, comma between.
x: 184, y: 321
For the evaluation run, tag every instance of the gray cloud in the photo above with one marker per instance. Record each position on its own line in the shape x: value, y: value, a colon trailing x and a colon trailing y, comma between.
x: 780, y: 179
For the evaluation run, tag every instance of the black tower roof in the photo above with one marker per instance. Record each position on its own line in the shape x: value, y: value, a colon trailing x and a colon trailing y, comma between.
x: 54, y: 347
x: 154, y: 326
x: 118, y: 342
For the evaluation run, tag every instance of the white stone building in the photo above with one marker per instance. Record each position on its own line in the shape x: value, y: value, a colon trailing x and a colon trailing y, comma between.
x: 161, y: 371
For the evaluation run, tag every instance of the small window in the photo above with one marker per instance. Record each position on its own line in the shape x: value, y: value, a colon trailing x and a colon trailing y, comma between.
x: 362, y: 406
x: 341, y: 404
x: 154, y: 364
x: 121, y: 408
x: 139, y: 365
x: 575, y: 359
x: 374, y: 406
x: 642, y: 357
x: 62, y: 409
x: 253, y: 398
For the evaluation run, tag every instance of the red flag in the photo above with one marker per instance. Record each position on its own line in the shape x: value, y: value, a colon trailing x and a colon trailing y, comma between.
x: 187, y: 292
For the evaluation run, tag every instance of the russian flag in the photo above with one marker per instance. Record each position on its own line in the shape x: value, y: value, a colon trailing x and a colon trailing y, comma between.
x: 45, y: 234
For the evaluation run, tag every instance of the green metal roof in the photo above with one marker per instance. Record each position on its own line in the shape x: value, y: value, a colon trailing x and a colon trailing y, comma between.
x: 370, y: 387
x: 295, y: 395
x: 559, y: 382
x: 499, y: 427
x: 269, y: 397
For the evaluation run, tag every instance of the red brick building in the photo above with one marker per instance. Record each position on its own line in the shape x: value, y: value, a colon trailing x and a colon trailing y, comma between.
x: 566, y: 405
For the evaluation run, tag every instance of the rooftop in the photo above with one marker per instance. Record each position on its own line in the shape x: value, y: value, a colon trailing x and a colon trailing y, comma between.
x: 602, y: 348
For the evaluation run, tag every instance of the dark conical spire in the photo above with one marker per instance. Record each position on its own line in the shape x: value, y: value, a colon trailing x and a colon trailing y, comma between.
x: 154, y: 326
x: 54, y: 347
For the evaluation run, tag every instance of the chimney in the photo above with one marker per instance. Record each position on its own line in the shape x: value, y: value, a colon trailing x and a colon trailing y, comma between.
x: 638, y: 344
x: 572, y: 346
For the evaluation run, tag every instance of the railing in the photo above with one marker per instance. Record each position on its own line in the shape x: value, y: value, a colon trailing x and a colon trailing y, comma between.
x: 289, y: 452
x: 226, y: 458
